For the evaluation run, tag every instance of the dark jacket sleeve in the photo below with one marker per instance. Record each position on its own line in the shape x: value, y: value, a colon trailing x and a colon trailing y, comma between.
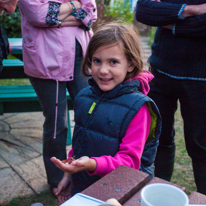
x: 154, y: 13
x: 192, y: 26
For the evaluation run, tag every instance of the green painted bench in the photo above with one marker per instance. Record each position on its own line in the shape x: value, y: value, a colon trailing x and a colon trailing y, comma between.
x: 22, y: 98
x: 13, y: 69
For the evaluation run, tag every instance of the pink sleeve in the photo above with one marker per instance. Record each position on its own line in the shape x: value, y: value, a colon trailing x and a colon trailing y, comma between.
x: 35, y: 11
x: 90, y: 7
x: 132, y: 145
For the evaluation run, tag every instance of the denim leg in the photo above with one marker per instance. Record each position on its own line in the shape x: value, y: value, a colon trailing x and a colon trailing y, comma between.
x: 79, y: 82
x: 193, y: 110
x: 46, y: 92
x: 163, y: 92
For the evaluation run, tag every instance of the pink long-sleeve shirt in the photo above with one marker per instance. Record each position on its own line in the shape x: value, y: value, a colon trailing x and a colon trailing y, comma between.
x: 132, y: 145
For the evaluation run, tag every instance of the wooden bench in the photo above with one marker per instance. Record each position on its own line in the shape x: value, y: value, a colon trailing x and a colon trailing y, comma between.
x: 22, y: 98
x: 125, y: 184
x: 13, y: 69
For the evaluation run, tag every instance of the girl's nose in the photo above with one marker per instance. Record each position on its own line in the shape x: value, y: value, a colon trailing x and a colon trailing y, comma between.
x: 104, y: 70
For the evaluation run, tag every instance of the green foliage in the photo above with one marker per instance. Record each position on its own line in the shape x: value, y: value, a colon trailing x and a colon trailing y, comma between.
x: 12, y: 23
x: 183, y: 172
x: 151, y: 35
x: 120, y: 11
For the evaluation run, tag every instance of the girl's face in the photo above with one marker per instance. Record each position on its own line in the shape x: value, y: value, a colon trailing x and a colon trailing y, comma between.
x: 109, y: 66
x: 8, y: 6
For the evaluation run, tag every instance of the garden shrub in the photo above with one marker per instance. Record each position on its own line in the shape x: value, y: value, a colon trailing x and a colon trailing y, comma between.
x: 120, y: 10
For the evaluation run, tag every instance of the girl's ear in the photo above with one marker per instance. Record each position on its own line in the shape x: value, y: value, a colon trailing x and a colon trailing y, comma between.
x: 130, y: 68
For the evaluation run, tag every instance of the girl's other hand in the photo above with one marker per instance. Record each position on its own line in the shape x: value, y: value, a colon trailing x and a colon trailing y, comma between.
x: 63, y: 191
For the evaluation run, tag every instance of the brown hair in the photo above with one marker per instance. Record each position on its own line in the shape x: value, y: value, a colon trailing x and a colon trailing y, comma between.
x: 114, y: 33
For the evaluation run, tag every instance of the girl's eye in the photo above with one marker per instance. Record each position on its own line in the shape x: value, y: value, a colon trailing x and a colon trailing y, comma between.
x: 113, y: 62
x: 96, y: 61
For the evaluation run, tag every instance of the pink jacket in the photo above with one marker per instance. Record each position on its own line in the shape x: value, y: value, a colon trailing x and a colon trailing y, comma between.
x: 131, y: 148
x: 49, y: 53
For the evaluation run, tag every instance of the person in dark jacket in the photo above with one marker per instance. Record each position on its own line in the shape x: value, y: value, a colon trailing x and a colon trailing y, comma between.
x: 113, y: 116
x: 9, y: 7
x: 178, y: 62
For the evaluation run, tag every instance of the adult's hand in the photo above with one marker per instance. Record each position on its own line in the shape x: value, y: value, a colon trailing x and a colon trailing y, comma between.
x: 194, y: 10
x: 66, y: 9
x: 71, y: 21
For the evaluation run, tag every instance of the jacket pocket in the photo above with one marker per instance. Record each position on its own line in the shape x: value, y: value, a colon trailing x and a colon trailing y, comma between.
x: 29, y: 39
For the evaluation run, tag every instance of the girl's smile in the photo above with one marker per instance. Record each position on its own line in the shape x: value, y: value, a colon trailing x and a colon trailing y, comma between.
x: 110, y: 66
x: 105, y: 80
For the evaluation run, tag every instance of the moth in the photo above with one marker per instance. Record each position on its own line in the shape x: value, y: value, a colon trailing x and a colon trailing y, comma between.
x: 68, y: 161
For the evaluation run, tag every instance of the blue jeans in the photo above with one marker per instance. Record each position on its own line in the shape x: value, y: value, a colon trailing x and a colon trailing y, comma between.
x: 166, y: 91
x: 46, y: 92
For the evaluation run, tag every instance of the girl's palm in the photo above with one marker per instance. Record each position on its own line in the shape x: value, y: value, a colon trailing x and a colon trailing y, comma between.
x: 76, y: 166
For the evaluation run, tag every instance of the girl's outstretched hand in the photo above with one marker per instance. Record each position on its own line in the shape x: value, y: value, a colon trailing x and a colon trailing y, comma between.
x: 78, y: 165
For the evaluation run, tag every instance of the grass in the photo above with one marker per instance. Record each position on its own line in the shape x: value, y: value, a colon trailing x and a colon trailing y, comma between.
x: 46, y: 198
x: 183, y: 174
x: 5, y: 82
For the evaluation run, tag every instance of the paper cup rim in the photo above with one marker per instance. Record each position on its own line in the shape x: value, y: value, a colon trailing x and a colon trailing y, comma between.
x: 37, y: 203
x: 142, y: 193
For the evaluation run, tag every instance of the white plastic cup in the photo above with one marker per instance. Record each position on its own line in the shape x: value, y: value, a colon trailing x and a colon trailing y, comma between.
x: 37, y: 204
x: 160, y: 194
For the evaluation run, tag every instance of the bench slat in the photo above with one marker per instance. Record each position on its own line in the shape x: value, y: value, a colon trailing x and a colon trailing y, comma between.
x: 13, y: 69
x: 13, y: 63
x: 19, y: 93
x: 21, y: 98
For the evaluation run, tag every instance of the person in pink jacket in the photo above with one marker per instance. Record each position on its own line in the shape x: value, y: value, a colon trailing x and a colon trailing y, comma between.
x: 116, y: 123
x: 55, y: 37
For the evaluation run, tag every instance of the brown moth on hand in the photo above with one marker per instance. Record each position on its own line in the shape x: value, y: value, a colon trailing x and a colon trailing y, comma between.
x: 68, y: 161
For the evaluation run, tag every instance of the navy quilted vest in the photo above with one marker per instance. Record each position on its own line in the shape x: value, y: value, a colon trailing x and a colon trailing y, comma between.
x: 102, y: 119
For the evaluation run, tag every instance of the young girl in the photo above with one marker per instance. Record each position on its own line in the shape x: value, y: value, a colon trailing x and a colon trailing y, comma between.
x: 113, y: 116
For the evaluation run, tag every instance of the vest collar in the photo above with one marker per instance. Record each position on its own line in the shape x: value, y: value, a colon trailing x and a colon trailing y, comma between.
x: 123, y: 88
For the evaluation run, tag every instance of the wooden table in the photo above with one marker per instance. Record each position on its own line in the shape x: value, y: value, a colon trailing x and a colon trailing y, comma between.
x: 125, y: 184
